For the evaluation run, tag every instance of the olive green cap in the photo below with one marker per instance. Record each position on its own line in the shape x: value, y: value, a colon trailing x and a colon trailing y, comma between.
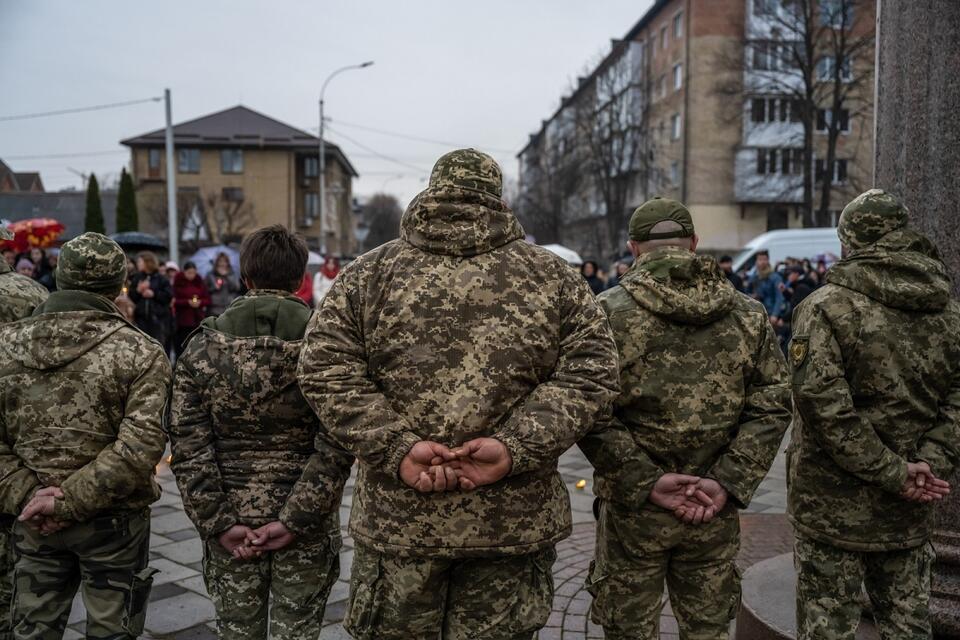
x: 92, y: 262
x: 870, y: 216
x: 468, y: 169
x: 655, y: 211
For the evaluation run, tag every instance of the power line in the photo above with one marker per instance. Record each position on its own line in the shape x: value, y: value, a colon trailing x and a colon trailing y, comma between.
x: 96, y: 107
x: 405, y: 136
x: 79, y: 154
x: 377, y: 153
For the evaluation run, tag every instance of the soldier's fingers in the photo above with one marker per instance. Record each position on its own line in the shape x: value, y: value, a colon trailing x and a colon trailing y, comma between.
x: 680, y: 478
x: 703, y: 498
x: 439, y: 478
x: 441, y: 451
x: 698, y: 515
x: 424, y: 484
x: 33, y: 509
x: 466, y: 484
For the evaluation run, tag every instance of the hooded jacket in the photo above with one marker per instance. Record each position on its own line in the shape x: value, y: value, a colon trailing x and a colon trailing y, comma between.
x: 82, y: 395
x: 247, y: 449
x: 876, y: 383
x: 704, y: 383
x: 19, y: 295
x: 444, y: 335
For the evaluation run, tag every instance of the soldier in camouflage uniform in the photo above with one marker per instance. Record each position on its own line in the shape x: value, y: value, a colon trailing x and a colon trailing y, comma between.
x: 458, y: 338
x: 257, y: 478
x: 82, y: 393
x: 704, y: 404
x: 18, y: 297
x: 876, y: 386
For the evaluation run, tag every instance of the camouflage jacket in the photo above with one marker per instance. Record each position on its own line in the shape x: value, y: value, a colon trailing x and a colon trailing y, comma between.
x: 705, y: 386
x: 82, y: 395
x: 457, y: 330
x: 876, y: 383
x: 247, y: 449
x: 19, y: 295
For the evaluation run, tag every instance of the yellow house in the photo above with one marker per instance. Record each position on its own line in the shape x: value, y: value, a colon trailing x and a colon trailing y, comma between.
x: 237, y: 170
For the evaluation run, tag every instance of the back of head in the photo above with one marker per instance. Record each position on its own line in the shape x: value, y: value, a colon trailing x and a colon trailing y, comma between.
x: 92, y: 262
x: 273, y: 258
x: 468, y: 169
x: 870, y: 216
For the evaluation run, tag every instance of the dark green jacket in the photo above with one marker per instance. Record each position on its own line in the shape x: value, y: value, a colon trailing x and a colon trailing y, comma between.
x: 876, y: 383
x: 247, y: 449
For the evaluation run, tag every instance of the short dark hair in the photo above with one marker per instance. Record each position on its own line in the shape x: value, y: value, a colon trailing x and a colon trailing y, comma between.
x: 763, y: 252
x: 273, y: 258
x: 725, y: 259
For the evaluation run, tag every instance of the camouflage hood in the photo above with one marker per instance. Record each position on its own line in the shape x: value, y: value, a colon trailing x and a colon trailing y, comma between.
x: 902, y: 270
x: 679, y: 285
x: 64, y: 328
x: 456, y: 221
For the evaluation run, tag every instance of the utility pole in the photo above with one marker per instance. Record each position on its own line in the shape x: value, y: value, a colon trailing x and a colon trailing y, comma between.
x: 172, y: 230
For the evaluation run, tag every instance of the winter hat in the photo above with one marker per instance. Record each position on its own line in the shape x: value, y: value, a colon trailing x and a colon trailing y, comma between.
x: 92, y: 262
x: 870, y: 216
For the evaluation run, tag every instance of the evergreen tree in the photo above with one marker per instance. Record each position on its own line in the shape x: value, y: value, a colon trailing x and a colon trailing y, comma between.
x: 127, y: 217
x: 94, y: 217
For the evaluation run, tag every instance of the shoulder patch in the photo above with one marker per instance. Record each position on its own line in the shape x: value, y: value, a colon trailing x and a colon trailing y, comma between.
x: 798, y: 350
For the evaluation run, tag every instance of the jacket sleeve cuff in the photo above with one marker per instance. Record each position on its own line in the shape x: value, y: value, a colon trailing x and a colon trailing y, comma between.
x: 894, y: 476
x: 212, y: 528
x: 63, y: 511
x: 739, y: 485
x: 398, y: 450
x: 520, y: 461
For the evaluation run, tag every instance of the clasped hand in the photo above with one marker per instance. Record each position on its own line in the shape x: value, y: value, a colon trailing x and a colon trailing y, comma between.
x: 922, y: 485
x: 433, y: 467
x: 38, y: 513
x: 244, y: 543
x: 692, y: 499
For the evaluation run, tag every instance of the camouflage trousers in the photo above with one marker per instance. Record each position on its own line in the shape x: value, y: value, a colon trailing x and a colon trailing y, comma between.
x: 399, y: 598
x: 638, y: 552
x: 106, y: 558
x: 298, y: 578
x: 6, y: 576
x: 829, y: 583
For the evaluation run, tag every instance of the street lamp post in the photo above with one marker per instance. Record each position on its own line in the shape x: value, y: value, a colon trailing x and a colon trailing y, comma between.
x: 322, y: 165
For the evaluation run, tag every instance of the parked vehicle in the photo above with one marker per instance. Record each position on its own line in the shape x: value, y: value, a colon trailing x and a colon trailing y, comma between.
x: 789, y: 243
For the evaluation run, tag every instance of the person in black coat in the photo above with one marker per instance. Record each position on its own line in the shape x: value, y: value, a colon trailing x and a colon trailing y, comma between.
x: 152, y: 294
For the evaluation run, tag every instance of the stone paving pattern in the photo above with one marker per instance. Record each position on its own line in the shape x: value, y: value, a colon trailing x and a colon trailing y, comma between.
x: 179, y: 608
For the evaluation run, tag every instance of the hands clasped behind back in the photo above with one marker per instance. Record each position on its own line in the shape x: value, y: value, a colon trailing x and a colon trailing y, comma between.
x: 433, y: 467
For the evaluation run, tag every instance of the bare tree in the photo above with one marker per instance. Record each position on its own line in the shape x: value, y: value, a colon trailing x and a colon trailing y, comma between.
x: 382, y: 215
x: 550, y: 179
x: 227, y: 215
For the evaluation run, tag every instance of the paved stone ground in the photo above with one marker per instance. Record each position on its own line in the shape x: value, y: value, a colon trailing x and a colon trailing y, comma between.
x: 179, y: 608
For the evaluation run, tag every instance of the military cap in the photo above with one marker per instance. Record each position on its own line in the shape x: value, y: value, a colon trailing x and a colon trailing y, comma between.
x: 468, y: 169
x: 655, y: 211
x: 92, y: 262
x: 870, y: 216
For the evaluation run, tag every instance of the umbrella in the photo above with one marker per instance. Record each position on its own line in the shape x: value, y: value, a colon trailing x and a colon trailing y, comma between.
x: 33, y: 232
x: 571, y: 256
x: 205, y: 257
x: 138, y: 241
x: 314, y: 259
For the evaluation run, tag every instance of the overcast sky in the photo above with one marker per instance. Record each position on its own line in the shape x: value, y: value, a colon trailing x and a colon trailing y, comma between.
x: 481, y: 74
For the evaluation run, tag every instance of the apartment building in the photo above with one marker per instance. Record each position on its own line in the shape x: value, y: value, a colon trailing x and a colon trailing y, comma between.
x: 238, y: 169
x: 714, y: 127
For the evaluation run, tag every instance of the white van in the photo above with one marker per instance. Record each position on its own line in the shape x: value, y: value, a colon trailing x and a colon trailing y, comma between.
x: 789, y: 243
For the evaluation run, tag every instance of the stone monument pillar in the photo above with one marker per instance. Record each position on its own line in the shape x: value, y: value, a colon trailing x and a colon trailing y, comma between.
x: 918, y: 157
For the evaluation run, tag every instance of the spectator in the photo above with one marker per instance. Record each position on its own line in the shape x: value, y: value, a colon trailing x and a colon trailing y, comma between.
x: 589, y: 271
x: 305, y: 292
x: 223, y: 285
x: 10, y: 256
x: 620, y: 269
x: 39, y: 259
x: 766, y: 286
x: 798, y: 286
x: 170, y: 269
x: 47, y: 279
x: 726, y: 263
x: 25, y: 267
x: 191, y: 300
x: 150, y: 291
x: 324, y: 279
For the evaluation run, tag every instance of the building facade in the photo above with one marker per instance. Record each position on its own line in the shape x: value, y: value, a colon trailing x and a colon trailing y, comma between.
x: 719, y: 104
x: 237, y: 170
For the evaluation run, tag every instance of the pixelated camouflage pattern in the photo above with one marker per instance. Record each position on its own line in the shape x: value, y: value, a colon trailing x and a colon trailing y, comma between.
x: 19, y: 295
x: 247, y: 449
x: 395, y: 598
x: 468, y: 169
x: 869, y: 217
x: 282, y: 594
x: 638, y: 553
x: 657, y: 210
x: 82, y: 396
x: 705, y: 388
x: 439, y: 336
x: 876, y: 383
x: 5, y: 233
x: 92, y: 262
x: 106, y: 558
x: 829, y: 595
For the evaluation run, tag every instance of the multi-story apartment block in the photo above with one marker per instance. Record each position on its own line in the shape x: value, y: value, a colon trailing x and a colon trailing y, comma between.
x: 714, y: 127
x: 238, y: 169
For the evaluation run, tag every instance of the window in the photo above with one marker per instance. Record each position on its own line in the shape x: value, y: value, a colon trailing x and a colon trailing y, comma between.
x: 774, y: 109
x: 677, y: 77
x: 662, y: 86
x: 838, y: 174
x: 232, y: 194
x: 762, y: 7
x: 826, y: 67
x: 231, y: 161
x: 836, y: 13
x: 825, y: 116
x: 758, y: 110
x: 675, y: 126
x: 779, y: 161
x: 675, y: 172
x: 678, y: 25
x: 188, y: 160
x: 311, y: 206
x: 153, y: 159
x: 311, y: 167
x: 653, y: 45
x: 663, y: 37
